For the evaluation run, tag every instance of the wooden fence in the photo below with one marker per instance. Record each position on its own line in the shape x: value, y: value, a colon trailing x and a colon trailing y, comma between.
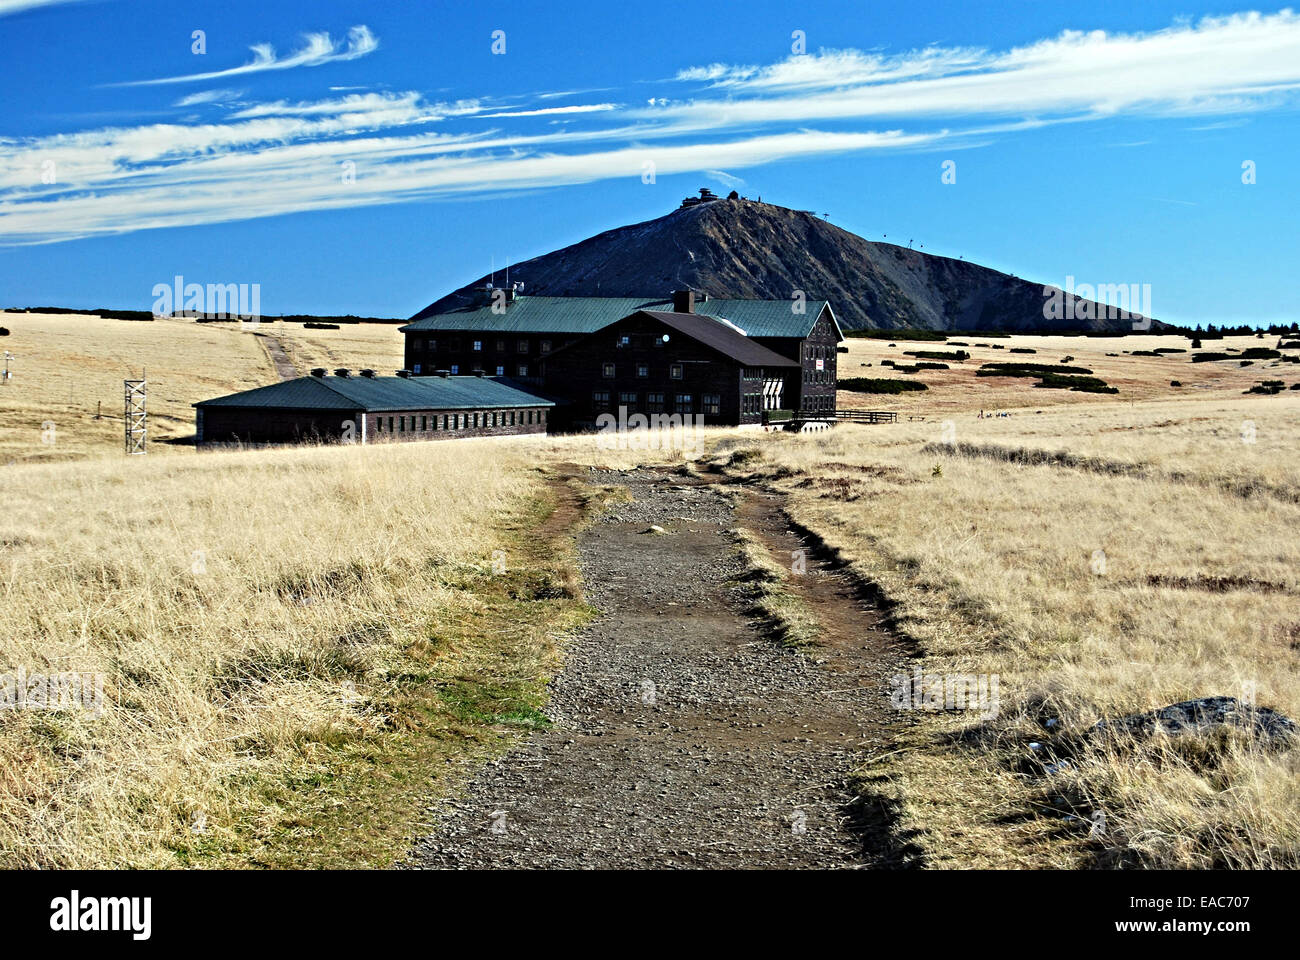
x: 866, y: 416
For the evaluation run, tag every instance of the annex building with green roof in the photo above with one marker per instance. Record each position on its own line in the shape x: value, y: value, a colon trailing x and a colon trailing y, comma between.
x: 366, y: 408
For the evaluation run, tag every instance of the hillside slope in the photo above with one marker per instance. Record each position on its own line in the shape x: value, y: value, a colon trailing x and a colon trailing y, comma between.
x: 743, y: 249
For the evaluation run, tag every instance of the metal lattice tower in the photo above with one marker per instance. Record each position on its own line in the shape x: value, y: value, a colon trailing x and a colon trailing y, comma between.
x: 135, y: 416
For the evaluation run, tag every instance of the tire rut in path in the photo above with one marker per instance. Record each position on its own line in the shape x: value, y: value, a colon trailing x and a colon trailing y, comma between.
x: 682, y: 736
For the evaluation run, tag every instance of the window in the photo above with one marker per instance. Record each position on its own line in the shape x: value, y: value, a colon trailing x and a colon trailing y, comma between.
x: 523, y: 369
x: 530, y: 416
x: 501, y: 345
x: 455, y: 369
x: 416, y: 368
x: 751, y: 403
x: 546, y: 346
x: 390, y: 424
x: 683, y: 403
x: 643, y: 369
x: 478, y: 346
x: 522, y: 346
x: 379, y: 424
x: 433, y: 346
x: 417, y: 344
x: 675, y: 371
x: 712, y: 403
x: 623, y: 342
x: 627, y: 399
x: 654, y: 402
x: 501, y: 371
x: 600, y: 398
x: 607, y: 370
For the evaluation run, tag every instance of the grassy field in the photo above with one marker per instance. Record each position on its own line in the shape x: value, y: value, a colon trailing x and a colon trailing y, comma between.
x: 1096, y: 590
x: 959, y: 390
x: 69, y: 367
x: 302, y: 647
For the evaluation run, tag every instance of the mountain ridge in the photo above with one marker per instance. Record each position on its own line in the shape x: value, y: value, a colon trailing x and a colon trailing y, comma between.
x: 742, y: 249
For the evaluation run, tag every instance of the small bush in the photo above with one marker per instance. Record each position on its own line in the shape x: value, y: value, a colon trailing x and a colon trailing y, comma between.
x: 1013, y: 369
x: 874, y: 385
x: 1268, y: 387
x: 957, y: 355
x: 1023, y: 350
x: 1053, y: 381
x: 1175, y: 383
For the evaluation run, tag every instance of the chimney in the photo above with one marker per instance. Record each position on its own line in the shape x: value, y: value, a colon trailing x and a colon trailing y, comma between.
x: 442, y: 373
x: 683, y: 301
x: 478, y: 372
x: 342, y: 372
x: 318, y: 371
x: 404, y: 374
x: 368, y: 374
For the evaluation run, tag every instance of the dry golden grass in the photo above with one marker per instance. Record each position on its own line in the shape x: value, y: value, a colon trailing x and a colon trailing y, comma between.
x: 959, y: 390
x: 69, y: 366
x: 299, y: 646
x: 992, y: 562
x: 261, y: 621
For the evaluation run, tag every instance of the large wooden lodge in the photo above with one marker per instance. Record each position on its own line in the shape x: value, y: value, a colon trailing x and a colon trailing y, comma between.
x: 504, y: 333
x: 506, y: 363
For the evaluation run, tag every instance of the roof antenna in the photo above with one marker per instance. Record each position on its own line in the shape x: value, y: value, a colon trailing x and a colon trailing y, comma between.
x: 493, y: 281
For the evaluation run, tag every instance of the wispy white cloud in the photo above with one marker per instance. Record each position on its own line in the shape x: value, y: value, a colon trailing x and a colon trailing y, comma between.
x: 317, y: 49
x: 548, y: 111
x: 1217, y: 65
x: 209, y: 96
x: 18, y: 6
x: 257, y: 159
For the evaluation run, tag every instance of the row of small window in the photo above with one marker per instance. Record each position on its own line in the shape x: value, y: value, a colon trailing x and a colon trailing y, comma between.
x: 521, y: 370
x: 609, y: 370
x: 639, y: 341
x: 655, y: 402
x: 817, y: 376
x: 453, y: 345
x: 819, y: 404
x: 439, y: 422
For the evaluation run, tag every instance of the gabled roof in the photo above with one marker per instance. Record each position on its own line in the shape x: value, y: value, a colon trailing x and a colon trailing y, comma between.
x: 526, y: 314
x: 709, y: 331
x: 384, y: 393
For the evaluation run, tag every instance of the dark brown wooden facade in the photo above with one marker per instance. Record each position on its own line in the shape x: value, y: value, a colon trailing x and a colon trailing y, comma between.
x: 813, y: 392
x: 651, y: 364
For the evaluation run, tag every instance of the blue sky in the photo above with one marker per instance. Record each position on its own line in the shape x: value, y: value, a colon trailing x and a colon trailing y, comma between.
x: 366, y: 158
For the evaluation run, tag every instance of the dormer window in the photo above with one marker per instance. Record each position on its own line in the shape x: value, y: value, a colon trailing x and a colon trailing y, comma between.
x: 675, y: 371
x: 607, y: 370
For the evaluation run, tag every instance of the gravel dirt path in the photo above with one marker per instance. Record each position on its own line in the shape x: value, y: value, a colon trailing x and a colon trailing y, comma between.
x: 681, y: 735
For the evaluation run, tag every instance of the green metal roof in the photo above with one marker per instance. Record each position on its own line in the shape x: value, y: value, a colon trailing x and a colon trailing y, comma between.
x: 384, y: 393
x: 525, y: 314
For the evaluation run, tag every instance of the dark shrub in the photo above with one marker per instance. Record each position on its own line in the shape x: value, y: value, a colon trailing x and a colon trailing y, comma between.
x: 869, y: 385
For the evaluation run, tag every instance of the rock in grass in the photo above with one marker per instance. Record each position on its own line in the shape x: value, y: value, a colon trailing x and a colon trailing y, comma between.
x: 1204, y: 714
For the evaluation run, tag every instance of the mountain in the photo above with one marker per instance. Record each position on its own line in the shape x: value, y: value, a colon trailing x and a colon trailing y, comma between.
x: 745, y: 249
